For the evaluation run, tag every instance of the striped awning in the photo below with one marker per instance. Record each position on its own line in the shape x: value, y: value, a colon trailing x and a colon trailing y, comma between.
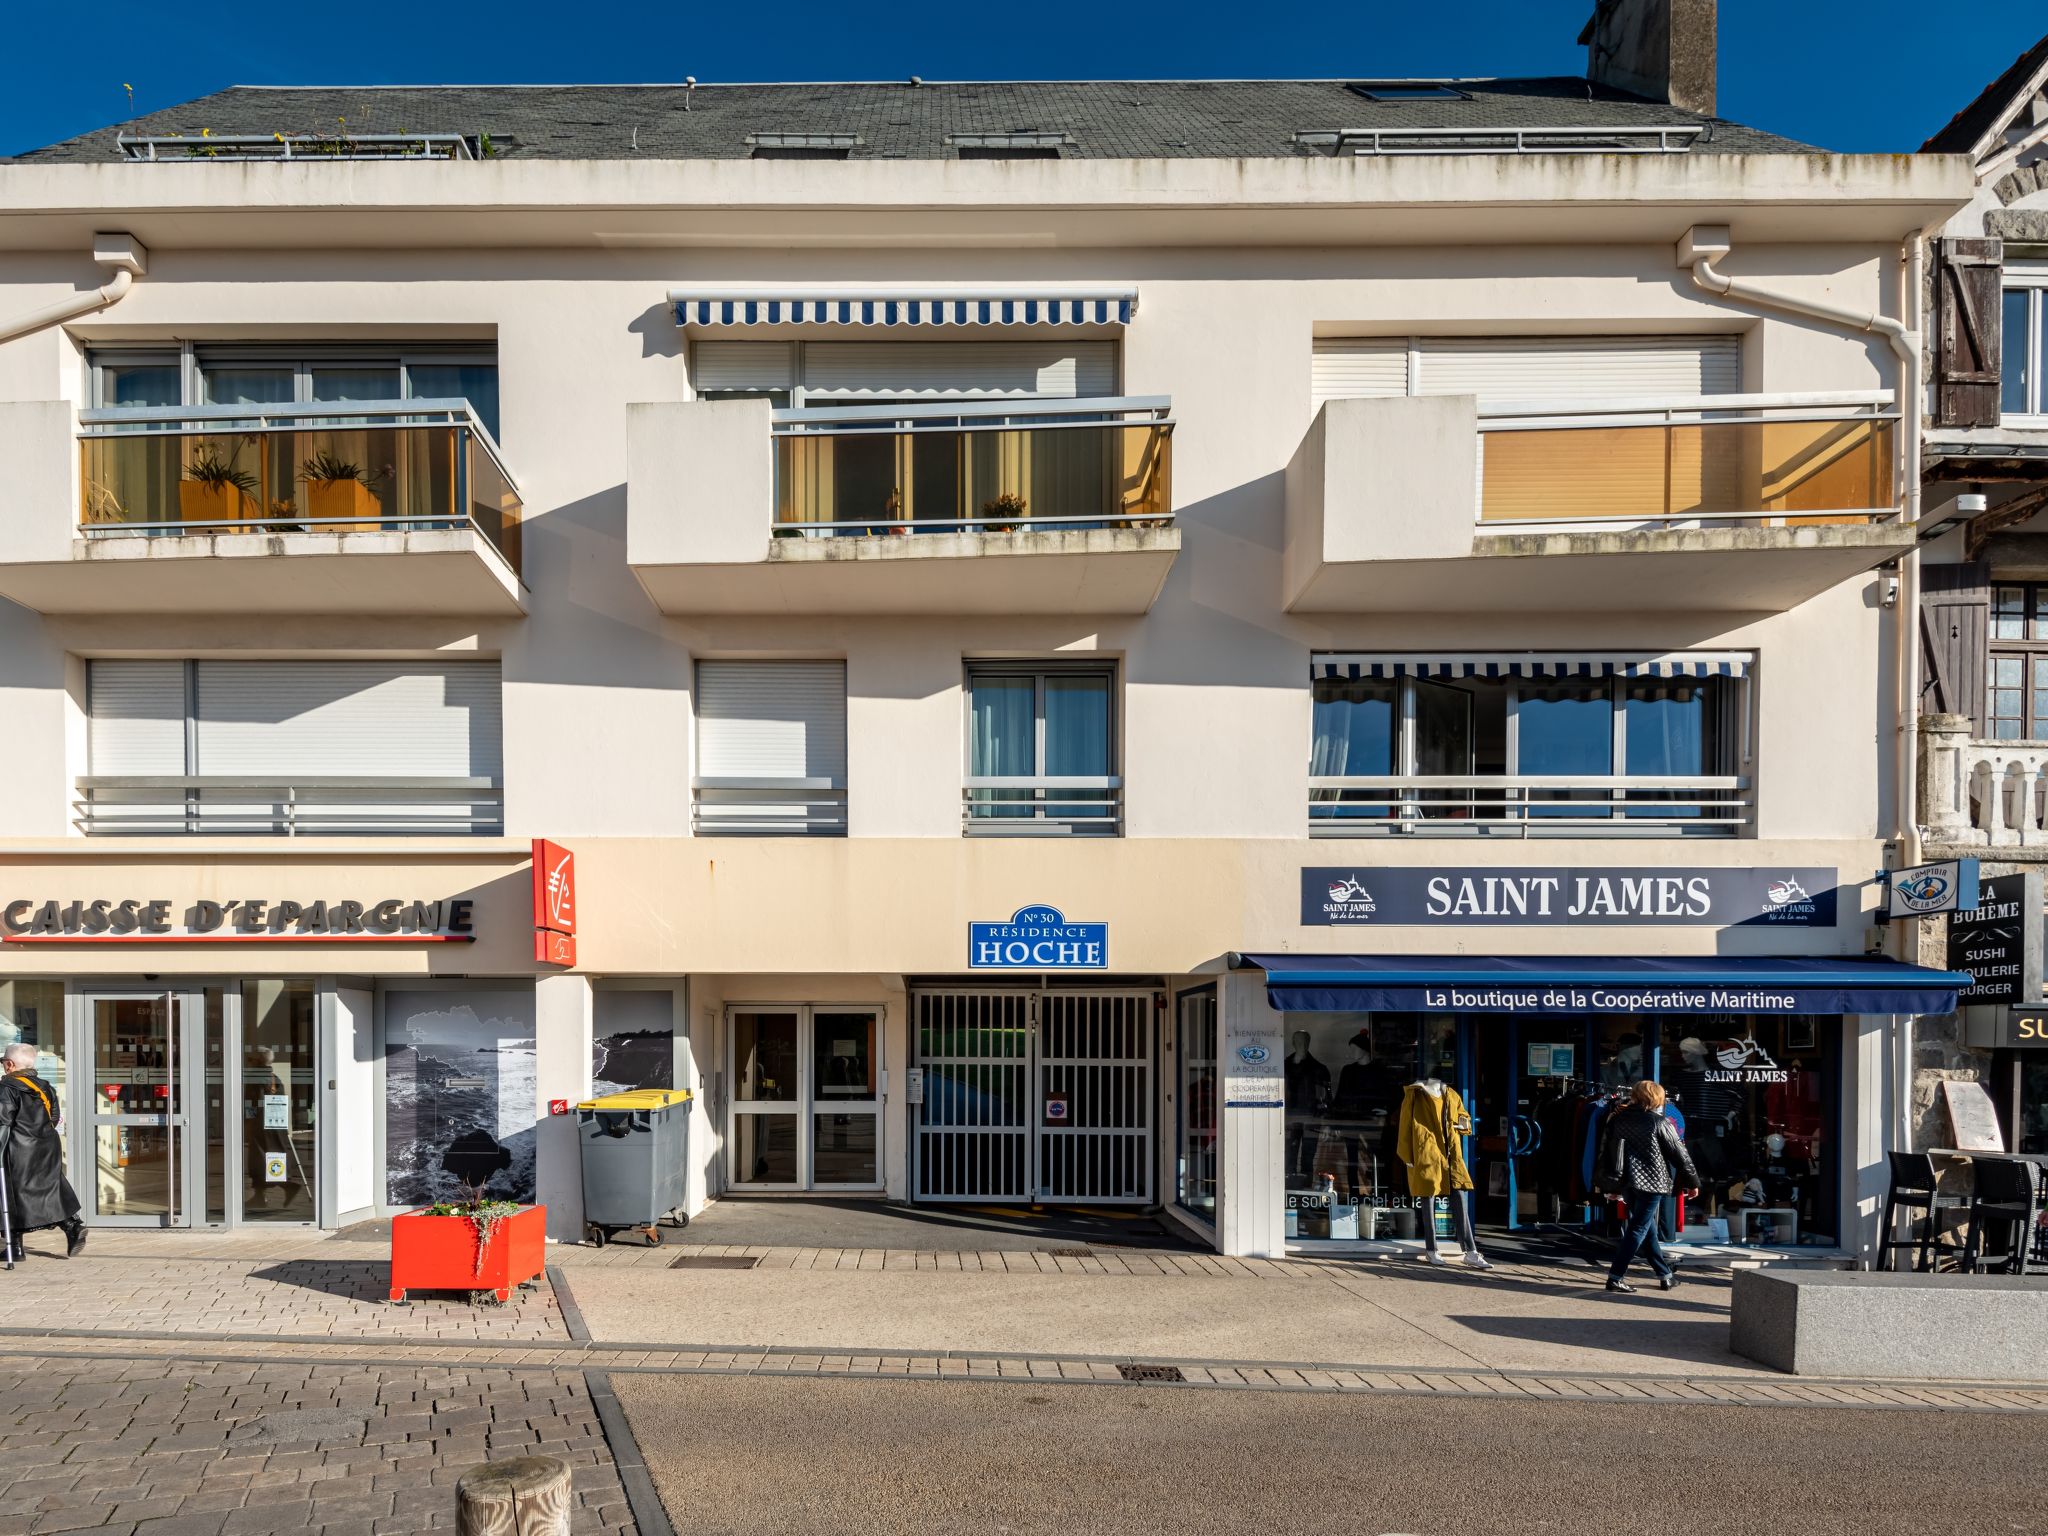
x: 1676, y: 664
x: 724, y: 306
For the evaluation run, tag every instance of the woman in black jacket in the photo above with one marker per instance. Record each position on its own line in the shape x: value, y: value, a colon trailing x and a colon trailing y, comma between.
x: 1642, y: 1159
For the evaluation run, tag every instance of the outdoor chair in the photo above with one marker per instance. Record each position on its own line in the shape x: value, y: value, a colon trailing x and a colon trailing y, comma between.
x: 1913, y: 1191
x: 2008, y: 1200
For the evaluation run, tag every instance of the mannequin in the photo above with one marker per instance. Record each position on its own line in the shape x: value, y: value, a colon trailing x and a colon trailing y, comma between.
x: 1367, y: 1099
x: 1308, y: 1094
x: 1433, y: 1122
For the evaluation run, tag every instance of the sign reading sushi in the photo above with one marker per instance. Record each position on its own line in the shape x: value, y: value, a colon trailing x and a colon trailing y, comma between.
x: 1038, y: 939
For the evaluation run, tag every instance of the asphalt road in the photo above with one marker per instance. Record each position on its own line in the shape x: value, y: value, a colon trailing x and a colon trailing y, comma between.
x: 745, y: 1455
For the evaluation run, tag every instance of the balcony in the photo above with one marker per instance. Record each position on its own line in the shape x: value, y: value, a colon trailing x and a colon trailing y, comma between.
x: 1978, y: 793
x: 1059, y: 805
x: 1539, y: 806
x: 1747, y: 503
x: 217, y: 805
x: 364, y: 507
x: 770, y: 807
x: 1008, y: 506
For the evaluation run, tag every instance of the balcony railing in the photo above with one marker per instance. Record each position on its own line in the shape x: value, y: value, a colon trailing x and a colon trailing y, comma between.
x: 1787, y: 460
x: 770, y: 807
x: 158, y: 805
x: 332, y: 467
x: 998, y: 466
x: 1617, y: 805
x: 1981, y: 792
x: 1060, y: 805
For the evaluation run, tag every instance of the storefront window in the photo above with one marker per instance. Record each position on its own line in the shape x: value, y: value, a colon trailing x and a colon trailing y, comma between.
x: 1344, y: 1075
x: 1199, y: 1091
x: 2030, y: 1127
x: 277, y: 1111
x: 33, y: 1012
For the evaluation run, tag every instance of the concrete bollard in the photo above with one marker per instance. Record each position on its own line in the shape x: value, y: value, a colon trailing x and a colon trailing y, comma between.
x: 527, y: 1496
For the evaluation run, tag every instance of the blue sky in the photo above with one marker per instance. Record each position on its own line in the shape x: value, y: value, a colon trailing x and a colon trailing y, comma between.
x: 1844, y: 74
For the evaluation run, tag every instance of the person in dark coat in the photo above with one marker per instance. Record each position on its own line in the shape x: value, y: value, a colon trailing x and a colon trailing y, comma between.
x: 1642, y: 1160
x: 32, y: 1155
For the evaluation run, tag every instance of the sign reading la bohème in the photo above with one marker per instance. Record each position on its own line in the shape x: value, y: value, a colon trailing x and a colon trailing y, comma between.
x: 1536, y: 895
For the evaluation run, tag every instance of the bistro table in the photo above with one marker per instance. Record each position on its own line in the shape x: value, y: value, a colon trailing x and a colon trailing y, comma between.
x: 2037, y: 1159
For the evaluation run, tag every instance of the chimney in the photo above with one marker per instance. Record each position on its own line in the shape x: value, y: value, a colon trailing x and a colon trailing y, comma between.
x: 1663, y: 49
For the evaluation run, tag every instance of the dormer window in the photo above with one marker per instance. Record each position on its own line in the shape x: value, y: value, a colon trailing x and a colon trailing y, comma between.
x: 1007, y: 146
x: 1408, y: 90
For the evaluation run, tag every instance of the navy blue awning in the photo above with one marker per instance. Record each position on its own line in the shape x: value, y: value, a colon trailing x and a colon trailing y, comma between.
x: 1602, y: 984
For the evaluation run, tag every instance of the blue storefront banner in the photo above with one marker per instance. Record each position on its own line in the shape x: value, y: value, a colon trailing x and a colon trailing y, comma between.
x: 1627, y: 984
x: 1583, y: 896
x: 1038, y: 939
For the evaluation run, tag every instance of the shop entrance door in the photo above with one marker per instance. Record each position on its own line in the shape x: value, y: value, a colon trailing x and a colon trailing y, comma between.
x: 1033, y: 1096
x: 153, y: 1153
x: 806, y: 1106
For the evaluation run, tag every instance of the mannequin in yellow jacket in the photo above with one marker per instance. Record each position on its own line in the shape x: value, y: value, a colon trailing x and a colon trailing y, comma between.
x: 1434, y: 1123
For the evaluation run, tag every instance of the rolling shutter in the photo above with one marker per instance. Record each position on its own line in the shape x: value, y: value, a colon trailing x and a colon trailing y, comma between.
x: 755, y: 365
x: 1580, y: 367
x: 856, y: 370
x: 767, y: 721
x: 1349, y: 367
x: 137, y: 717
x: 368, y: 718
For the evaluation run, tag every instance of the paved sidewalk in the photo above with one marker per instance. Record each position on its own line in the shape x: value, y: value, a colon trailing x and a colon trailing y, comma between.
x: 160, y: 1447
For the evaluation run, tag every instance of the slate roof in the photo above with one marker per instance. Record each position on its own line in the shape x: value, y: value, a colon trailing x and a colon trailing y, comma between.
x: 1993, y: 102
x: 1103, y: 119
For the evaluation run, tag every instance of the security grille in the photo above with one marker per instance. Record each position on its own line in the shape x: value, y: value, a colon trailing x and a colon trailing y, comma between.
x: 1044, y: 1095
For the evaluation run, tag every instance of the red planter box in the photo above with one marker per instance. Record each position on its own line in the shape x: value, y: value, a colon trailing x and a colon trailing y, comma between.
x: 438, y: 1253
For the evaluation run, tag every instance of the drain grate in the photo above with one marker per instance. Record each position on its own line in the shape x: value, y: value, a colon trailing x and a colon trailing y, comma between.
x: 714, y: 1261
x: 1071, y: 1253
x: 1130, y: 1371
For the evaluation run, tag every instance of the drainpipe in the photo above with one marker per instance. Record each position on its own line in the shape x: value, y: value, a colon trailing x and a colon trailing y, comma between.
x: 123, y: 253
x: 1698, y: 249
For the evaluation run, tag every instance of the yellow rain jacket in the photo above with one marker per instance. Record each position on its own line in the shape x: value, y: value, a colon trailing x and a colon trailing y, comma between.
x: 1431, y: 1128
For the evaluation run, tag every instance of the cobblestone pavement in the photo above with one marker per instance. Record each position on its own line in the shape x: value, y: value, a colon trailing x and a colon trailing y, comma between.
x: 129, y: 1445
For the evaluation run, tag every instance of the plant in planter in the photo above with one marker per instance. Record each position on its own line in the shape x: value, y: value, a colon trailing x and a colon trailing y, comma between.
x: 480, y: 1246
x: 1004, y: 512
x: 339, y: 491
x: 216, y: 489
x: 893, y: 507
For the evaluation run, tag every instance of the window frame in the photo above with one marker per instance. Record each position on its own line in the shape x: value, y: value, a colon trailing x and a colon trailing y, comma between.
x: 1038, y: 824
x: 2030, y: 278
x: 2026, y: 649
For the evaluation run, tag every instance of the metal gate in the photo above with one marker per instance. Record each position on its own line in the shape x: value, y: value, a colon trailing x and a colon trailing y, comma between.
x: 1033, y: 1095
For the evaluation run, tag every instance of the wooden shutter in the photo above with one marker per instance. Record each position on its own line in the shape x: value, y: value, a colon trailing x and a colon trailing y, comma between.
x: 1967, y: 316
x: 1955, y: 621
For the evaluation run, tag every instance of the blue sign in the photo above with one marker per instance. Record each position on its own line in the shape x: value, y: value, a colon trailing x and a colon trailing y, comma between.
x: 1582, y: 896
x: 1038, y: 939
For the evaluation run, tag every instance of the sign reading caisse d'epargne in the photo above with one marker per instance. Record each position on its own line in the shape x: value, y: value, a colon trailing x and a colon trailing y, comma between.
x: 1038, y: 939
x: 1583, y: 895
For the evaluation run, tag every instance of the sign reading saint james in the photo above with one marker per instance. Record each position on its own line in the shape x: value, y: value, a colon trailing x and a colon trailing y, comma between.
x: 1038, y: 939
x: 1582, y: 895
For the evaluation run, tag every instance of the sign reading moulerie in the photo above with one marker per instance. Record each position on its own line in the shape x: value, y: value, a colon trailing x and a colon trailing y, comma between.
x: 1581, y: 895
x: 1038, y: 939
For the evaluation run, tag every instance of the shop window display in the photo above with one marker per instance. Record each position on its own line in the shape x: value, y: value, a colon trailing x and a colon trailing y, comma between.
x: 2030, y: 1129
x: 32, y: 1012
x: 1344, y: 1076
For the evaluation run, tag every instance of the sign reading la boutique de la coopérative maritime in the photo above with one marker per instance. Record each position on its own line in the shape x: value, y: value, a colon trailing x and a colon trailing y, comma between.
x: 1582, y: 896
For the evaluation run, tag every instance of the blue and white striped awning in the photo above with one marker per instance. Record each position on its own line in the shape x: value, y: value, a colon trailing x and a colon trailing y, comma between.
x: 1675, y: 664
x: 899, y: 307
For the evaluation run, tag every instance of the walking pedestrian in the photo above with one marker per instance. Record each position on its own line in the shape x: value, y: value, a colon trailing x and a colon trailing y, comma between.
x: 1642, y: 1159
x: 32, y: 1155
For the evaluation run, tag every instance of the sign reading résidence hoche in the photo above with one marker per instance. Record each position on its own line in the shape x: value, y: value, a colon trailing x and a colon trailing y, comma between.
x: 1589, y: 895
x: 240, y: 922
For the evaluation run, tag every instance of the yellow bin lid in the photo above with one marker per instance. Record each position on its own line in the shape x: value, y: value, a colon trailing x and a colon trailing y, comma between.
x: 639, y: 1098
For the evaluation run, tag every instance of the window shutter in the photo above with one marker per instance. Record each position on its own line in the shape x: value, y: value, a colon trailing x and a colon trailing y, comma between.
x: 743, y: 365
x: 1968, y: 324
x: 1955, y: 617
x: 1060, y: 370
x: 370, y: 718
x: 1351, y: 367
x: 771, y: 720
x: 1580, y: 367
x: 137, y: 717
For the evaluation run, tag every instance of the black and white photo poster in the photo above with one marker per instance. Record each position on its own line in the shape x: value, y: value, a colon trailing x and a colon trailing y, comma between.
x: 633, y: 1042
x: 459, y: 1089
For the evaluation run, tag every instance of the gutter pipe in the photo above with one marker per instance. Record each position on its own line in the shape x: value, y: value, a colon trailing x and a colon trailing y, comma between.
x: 127, y: 258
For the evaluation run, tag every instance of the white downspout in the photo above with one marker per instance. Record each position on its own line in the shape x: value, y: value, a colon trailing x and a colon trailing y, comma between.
x: 1698, y: 249
x: 124, y: 253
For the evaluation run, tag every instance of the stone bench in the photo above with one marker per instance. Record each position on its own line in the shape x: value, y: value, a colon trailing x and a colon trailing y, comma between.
x: 1929, y: 1327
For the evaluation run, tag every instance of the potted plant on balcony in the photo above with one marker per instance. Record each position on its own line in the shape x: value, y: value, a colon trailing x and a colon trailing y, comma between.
x: 216, y: 489
x: 340, y: 492
x: 1003, y: 512
x: 482, y: 1246
x: 893, y: 507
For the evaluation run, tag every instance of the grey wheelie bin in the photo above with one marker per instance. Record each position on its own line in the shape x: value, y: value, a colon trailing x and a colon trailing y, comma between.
x: 636, y: 1165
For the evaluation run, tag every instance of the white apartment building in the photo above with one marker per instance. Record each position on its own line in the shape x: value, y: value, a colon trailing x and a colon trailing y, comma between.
x: 1080, y: 637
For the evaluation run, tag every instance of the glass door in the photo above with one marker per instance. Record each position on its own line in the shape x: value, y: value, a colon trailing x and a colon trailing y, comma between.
x: 806, y: 1106
x: 155, y: 1080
